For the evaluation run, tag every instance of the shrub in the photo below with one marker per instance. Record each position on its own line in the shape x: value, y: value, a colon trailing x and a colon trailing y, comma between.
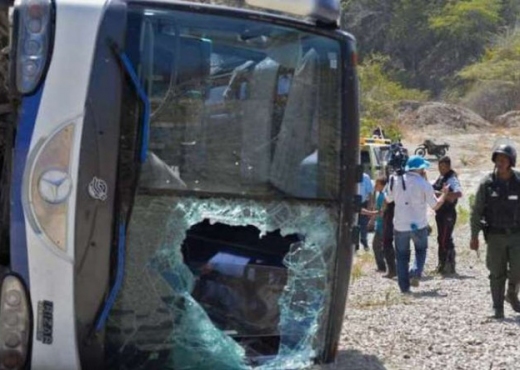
x: 380, y: 97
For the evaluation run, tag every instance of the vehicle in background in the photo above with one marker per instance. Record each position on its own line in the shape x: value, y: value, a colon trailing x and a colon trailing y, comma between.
x: 428, y: 146
x: 374, y: 155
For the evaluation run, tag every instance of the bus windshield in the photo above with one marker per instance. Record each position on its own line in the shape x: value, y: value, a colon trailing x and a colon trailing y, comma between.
x: 230, y: 259
x: 238, y: 106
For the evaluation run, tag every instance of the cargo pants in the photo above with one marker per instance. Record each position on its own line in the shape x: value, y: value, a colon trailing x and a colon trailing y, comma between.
x: 503, y: 262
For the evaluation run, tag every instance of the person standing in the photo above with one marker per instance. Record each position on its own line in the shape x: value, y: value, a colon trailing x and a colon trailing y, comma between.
x: 365, y: 190
x: 496, y: 212
x: 412, y: 194
x: 388, y: 239
x: 446, y: 216
x: 377, y: 241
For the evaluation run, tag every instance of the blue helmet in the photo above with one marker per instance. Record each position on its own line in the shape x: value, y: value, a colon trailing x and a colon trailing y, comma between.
x: 416, y: 162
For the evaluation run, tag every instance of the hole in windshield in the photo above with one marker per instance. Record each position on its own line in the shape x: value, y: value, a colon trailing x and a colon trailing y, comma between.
x: 240, y: 279
x: 261, y: 302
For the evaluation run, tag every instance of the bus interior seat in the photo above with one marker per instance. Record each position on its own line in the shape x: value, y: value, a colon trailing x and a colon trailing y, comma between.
x: 239, y: 146
x: 177, y: 122
x: 257, y: 117
x: 296, y: 139
x: 271, y: 81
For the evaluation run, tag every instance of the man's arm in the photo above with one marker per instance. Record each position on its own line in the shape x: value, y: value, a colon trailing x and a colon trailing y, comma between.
x: 477, y: 211
x: 369, y: 189
x: 367, y: 212
x: 434, y: 202
x: 456, y: 189
x: 388, y: 190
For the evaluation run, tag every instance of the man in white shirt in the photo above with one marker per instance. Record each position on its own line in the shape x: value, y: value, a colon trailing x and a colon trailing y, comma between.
x: 412, y: 195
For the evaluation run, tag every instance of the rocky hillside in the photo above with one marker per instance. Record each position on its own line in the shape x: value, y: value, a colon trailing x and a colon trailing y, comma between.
x: 416, y: 115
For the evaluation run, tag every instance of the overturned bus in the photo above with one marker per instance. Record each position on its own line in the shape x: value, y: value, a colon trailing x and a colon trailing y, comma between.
x: 179, y: 185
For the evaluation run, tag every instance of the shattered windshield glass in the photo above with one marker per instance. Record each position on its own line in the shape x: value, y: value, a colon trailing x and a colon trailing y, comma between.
x: 224, y: 268
x: 221, y: 298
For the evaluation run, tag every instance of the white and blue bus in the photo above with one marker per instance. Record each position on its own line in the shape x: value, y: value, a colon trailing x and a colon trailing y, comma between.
x: 182, y: 185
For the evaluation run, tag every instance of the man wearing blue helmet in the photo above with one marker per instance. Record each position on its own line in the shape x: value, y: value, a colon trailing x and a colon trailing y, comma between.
x: 412, y: 195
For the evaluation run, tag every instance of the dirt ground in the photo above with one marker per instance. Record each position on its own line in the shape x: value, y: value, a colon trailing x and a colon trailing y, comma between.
x: 445, y: 325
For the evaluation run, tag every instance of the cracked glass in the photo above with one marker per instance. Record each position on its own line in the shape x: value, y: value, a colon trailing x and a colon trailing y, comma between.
x: 231, y: 245
x: 238, y: 106
x: 164, y: 317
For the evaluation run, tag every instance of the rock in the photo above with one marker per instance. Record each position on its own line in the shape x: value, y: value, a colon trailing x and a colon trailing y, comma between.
x: 448, y: 115
x: 509, y: 119
x: 409, y: 105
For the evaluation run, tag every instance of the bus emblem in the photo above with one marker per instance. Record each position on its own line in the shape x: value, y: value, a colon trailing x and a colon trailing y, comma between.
x: 98, y: 189
x: 55, y: 186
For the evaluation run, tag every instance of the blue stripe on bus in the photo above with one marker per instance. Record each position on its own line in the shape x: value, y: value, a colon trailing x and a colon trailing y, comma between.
x: 24, y: 132
x: 130, y: 70
x: 111, y: 300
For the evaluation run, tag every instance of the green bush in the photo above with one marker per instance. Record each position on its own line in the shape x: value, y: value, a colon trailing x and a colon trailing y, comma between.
x: 463, y: 215
x: 471, y: 200
x: 495, y: 80
x: 380, y: 96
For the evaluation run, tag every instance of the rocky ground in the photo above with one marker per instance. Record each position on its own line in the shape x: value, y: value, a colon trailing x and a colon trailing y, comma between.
x: 446, y: 323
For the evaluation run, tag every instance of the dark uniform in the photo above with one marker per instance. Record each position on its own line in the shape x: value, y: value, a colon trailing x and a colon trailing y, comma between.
x: 388, y: 239
x: 446, y: 217
x: 497, y: 212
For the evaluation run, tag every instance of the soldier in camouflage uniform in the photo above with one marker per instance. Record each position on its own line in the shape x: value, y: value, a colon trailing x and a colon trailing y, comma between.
x: 497, y: 213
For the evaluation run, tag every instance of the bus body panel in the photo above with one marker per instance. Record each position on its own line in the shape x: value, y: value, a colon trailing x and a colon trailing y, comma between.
x: 52, y: 268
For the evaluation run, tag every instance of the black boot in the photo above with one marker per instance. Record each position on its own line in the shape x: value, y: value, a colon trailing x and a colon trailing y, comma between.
x: 499, y: 313
x: 390, y: 262
x: 497, y: 294
x: 449, y: 267
x: 441, y: 255
x: 512, y: 296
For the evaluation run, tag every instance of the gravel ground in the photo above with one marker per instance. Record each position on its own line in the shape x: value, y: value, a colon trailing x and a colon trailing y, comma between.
x: 446, y: 323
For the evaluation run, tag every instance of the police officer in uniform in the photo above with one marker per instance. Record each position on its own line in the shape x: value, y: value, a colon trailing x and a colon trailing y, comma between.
x: 388, y: 239
x: 497, y: 213
x: 446, y: 216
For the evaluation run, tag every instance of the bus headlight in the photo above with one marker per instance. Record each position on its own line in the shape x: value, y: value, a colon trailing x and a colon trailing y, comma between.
x: 34, y: 27
x: 14, y: 323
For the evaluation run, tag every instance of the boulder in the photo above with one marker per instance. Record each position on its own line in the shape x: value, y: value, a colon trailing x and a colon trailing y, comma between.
x: 509, y: 119
x: 450, y: 115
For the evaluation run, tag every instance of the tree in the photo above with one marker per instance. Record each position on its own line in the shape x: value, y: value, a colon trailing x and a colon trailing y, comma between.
x: 494, y: 81
x: 380, y: 95
x: 397, y: 28
x: 428, y: 42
